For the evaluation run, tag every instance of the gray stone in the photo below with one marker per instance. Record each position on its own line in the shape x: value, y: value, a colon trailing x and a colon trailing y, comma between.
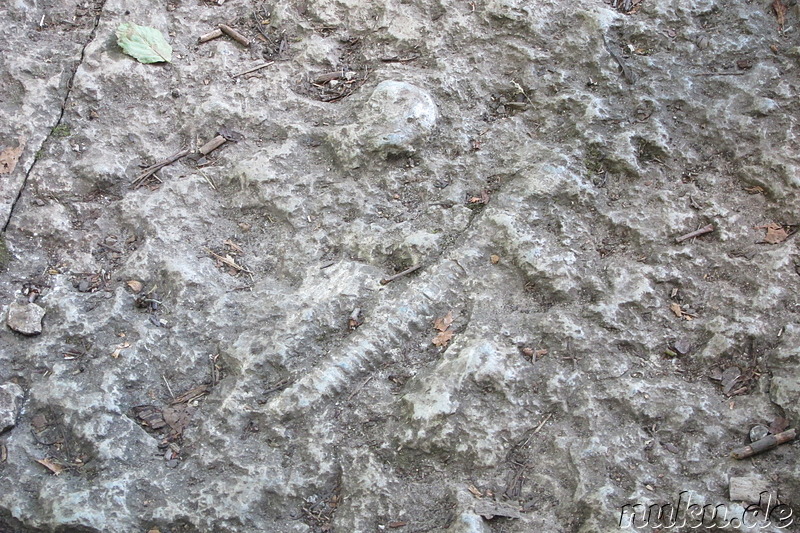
x: 758, y: 432
x: 25, y: 318
x: 749, y: 489
x: 402, y: 115
x: 395, y: 120
x: 785, y: 391
x: 11, y: 396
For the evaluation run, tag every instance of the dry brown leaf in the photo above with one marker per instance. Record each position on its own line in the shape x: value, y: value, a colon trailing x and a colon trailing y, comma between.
x: 135, y: 286
x: 233, y: 246
x: 228, y: 260
x: 775, y: 233
x: 680, y: 313
x: 444, y: 322
x: 51, y: 466
x: 178, y: 417
x: 118, y: 350
x: 443, y: 338
x: 10, y: 156
x: 475, y: 492
x: 482, y: 199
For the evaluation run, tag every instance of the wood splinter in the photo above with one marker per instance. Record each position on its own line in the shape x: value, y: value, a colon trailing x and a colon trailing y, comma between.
x: 762, y: 445
x: 696, y: 233
x: 214, y: 34
x: 235, y: 35
x: 405, y: 272
x: 212, y: 145
x: 250, y: 70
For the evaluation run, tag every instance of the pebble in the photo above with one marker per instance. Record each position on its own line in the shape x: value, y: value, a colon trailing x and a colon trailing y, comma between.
x: 11, y: 396
x: 682, y: 346
x: 758, y: 432
x: 25, y: 318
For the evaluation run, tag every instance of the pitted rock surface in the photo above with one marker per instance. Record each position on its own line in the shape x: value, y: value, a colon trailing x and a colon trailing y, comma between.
x: 223, y: 349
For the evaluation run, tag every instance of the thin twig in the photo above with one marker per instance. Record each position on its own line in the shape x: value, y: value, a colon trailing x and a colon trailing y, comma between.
x: 279, y: 385
x: 229, y: 261
x: 208, y: 179
x: 168, y: 387
x: 396, y: 59
x: 109, y: 248
x: 405, y: 272
x: 152, y: 169
x: 212, y: 358
x: 358, y: 389
x: 696, y: 233
x: 248, y: 71
x: 720, y: 74
x: 542, y: 423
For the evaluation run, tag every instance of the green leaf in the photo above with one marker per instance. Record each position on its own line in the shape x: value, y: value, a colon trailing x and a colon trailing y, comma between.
x: 145, y: 44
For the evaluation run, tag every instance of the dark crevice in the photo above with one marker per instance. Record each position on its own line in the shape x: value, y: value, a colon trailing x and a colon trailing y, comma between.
x: 99, y: 6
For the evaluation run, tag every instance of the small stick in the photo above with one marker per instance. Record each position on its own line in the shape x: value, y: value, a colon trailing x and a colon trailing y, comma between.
x: 228, y: 261
x: 152, y: 169
x: 542, y: 423
x: 242, y: 288
x: 214, y: 34
x: 248, y: 71
x: 192, y: 394
x: 720, y: 74
x: 109, y: 248
x: 390, y: 279
x: 168, y: 387
x: 396, y: 59
x: 279, y: 385
x: 212, y: 145
x: 208, y: 179
x: 235, y: 35
x: 358, y: 389
x: 695, y: 233
x: 212, y: 358
x: 329, y: 76
x: 762, y: 445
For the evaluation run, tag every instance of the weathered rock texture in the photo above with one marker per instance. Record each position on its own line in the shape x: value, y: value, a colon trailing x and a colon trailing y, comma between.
x: 11, y: 396
x: 591, y: 362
